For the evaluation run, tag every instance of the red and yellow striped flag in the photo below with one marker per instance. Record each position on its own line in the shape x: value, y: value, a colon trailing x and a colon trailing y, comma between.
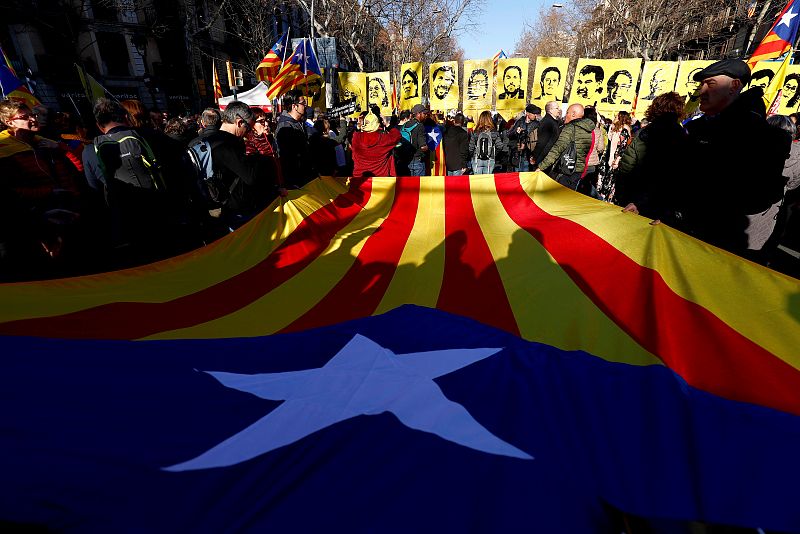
x: 217, y: 85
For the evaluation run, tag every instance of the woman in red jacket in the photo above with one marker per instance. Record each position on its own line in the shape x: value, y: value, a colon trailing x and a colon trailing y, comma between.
x: 373, y: 149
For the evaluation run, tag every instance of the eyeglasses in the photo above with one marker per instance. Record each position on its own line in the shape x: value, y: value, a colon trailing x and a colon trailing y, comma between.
x: 246, y: 123
x: 261, y: 121
x: 301, y: 104
x: 24, y: 117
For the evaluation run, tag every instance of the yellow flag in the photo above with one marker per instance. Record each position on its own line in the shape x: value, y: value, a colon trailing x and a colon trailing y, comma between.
x: 772, y: 93
x: 444, y: 85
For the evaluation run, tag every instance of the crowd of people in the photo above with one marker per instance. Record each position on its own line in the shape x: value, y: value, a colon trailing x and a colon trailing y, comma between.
x: 136, y: 186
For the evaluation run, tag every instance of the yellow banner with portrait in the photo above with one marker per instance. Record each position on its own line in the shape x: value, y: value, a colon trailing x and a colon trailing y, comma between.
x: 410, y: 86
x: 314, y: 91
x: 549, y: 79
x: 762, y: 74
x: 658, y: 77
x: 607, y: 84
x: 685, y: 84
x: 512, y: 86
x: 353, y: 85
x: 790, y: 91
x: 379, y: 92
x: 444, y: 94
x: 477, y: 86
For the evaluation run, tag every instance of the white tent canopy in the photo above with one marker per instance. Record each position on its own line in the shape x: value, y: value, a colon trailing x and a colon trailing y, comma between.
x: 255, y: 97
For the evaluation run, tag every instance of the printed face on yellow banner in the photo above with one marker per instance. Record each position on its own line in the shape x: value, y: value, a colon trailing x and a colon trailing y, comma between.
x: 762, y: 74
x: 790, y: 95
x: 658, y: 77
x: 685, y: 84
x: 444, y: 85
x: 549, y: 80
x: 379, y: 91
x: 618, y: 86
x: 353, y: 85
x: 315, y: 92
x: 512, y: 84
x: 477, y: 86
x: 410, y: 92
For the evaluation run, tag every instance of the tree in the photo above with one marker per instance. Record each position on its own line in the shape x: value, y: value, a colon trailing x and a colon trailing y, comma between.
x: 552, y: 35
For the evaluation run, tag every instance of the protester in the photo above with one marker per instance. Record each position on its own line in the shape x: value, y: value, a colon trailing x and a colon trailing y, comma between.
x: 649, y: 174
x: 373, y: 149
x: 596, y: 154
x: 618, y: 138
x: 140, y: 211
x: 456, y: 146
x: 245, y: 184
x: 485, y: 144
x: 735, y: 159
x: 39, y: 196
x: 523, y: 137
x: 259, y: 142
x: 547, y: 132
x: 413, y: 133
x: 329, y: 156
x: 292, y: 135
x: 577, y: 132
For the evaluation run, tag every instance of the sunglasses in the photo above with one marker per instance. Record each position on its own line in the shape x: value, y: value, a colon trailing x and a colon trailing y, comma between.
x: 24, y: 117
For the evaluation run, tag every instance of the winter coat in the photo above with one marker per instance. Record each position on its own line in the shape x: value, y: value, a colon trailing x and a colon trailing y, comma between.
x: 580, y: 131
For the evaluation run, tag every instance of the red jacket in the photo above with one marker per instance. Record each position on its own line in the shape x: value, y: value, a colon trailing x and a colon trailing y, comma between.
x: 372, y: 153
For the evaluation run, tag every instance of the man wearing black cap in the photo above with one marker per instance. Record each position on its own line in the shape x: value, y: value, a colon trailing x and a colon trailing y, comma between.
x: 523, y: 137
x: 735, y: 160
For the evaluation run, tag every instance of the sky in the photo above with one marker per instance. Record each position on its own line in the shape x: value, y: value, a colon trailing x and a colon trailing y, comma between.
x: 499, y: 26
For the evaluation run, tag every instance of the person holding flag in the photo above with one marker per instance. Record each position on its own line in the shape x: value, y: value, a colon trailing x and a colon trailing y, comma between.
x: 269, y: 67
x: 300, y: 68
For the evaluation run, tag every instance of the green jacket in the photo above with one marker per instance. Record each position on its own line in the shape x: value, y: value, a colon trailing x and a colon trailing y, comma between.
x: 581, y: 132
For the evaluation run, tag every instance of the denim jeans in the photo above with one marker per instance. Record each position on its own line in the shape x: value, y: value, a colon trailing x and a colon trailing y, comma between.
x: 524, y: 164
x: 416, y: 168
x: 482, y: 166
x: 455, y: 173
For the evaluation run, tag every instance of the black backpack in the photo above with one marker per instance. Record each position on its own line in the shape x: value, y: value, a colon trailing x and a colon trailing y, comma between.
x: 484, y: 148
x: 126, y: 157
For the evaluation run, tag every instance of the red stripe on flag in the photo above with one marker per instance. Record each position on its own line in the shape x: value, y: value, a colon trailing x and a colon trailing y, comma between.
x: 471, y: 285
x: 133, y: 320
x: 361, y: 290
x: 693, y: 342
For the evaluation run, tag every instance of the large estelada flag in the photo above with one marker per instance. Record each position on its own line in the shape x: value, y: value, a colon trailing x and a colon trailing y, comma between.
x: 268, y: 69
x: 434, y: 139
x: 12, y: 87
x: 301, y: 68
x: 463, y: 353
x: 780, y: 37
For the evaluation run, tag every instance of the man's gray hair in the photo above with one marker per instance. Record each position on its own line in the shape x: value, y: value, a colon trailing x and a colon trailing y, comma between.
x: 210, y: 118
x: 550, y: 106
x: 237, y: 110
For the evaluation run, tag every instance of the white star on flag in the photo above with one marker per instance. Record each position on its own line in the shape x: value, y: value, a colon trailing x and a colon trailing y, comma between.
x: 787, y: 18
x: 433, y: 134
x: 363, y: 378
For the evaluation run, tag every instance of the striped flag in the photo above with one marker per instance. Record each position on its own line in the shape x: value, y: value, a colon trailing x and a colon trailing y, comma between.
x: 781, y: 36
x: 12, y: 87
x: 496, y: 59
x: 301, y: 67
x: 7, y: 61
x: 269, y: 67
x: 443, y: 340
x: 436, y: 150
x: 217, y: 85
